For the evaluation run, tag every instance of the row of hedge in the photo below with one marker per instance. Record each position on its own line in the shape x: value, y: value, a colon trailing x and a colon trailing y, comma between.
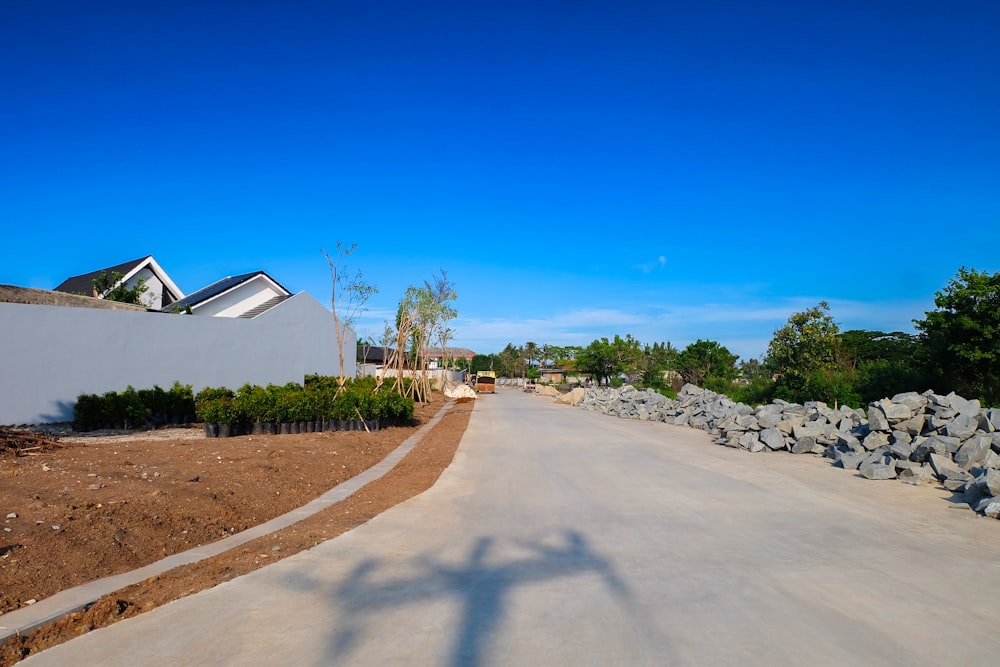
x: 135, y: 408
x: 320, y: 404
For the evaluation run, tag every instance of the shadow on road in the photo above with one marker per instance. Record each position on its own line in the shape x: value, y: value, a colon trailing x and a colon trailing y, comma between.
x: 480, y: 584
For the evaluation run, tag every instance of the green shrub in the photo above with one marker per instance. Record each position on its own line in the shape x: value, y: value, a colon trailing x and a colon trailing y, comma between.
x: 88, y: 412
x: 218, y: 410
x: 213, y: 405
x: 180, y: 402
x: 758, y: 392
x: 252, y: 403
x: 344, y: 406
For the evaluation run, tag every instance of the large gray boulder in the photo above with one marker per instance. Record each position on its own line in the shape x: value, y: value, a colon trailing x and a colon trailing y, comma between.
x: 990, y: 420
x: 917, y: 475
x: 849, y: 460
x: 935, y: 444
x: 987, y: 483
x: 962, y: 427
x: 807, y: 445
x: 877, y: 419
x: 772, y: 439
x: 875, y: 440
x: 879, y: 465
x: 914, y: 426
x: 944, y: 468
x: 973, y: 451
x: 895, y: 412
x: 912, y: 400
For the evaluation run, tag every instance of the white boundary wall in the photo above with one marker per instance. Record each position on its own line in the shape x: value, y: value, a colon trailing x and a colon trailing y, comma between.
x: 49, y: 355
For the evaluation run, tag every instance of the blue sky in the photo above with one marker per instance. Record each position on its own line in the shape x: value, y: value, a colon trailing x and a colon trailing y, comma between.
x: 670, y: 170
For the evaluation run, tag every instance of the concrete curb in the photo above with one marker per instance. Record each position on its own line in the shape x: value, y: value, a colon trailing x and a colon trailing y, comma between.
x: 24, y: 620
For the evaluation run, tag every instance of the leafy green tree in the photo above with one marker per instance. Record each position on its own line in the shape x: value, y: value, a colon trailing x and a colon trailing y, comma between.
x: 658, y: 358
x: 629, y: 356
x: 482, y: 362
x: 752, y: 370
x: 805, y: 353
x: 442, y: 291
x: 598, y: 361
x: 961, y: 338
x: 421, y: 315
x: 547, y: 355
x: 706, y: 360
x: 885, y: 363
x: 862, y: 345
x: 511, y: 361
x: 113, y: 289
x: 606, y: 361
x: 531, y: 352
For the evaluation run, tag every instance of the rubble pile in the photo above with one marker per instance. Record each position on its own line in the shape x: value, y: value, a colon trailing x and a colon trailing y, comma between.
x: 917, y: 438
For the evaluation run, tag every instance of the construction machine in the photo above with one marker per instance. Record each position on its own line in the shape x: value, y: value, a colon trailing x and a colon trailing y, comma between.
x: 486, y: 382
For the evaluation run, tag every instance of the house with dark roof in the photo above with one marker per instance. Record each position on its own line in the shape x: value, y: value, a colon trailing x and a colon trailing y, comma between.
x: 247, y: 295
x: 160, y: 289
x: 251, y: 330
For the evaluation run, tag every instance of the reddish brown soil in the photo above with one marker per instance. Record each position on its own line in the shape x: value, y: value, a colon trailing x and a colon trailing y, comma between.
x: 97, y: 506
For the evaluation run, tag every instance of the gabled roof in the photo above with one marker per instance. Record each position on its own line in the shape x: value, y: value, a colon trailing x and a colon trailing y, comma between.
x: 218, y: 288
x: 84, y: 284
x: 372, y: 354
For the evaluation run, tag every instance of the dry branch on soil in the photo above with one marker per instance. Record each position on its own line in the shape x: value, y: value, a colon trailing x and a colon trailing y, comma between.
x: 22, y: 443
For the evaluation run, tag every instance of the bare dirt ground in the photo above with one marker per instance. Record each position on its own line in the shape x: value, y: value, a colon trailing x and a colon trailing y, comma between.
x: 96, y: 506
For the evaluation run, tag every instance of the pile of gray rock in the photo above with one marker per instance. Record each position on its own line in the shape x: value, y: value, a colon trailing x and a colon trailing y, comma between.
x: 916, y: 438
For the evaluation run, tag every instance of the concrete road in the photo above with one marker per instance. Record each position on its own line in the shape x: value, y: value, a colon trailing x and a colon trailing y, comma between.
x: 564, y: 537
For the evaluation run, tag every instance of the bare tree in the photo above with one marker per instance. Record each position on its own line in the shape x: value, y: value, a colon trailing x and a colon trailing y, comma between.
x: 421, y: 319
x: 349, y: 295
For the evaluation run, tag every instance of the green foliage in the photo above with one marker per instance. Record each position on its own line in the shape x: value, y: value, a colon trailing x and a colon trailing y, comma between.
x: 88, y: 412
x: 180, y: 402
x: 837, y: 387
x: 809, y: 344
x: 656, y: 359
x: 345, y: 406
x: 482, y: 362
x: 253, y: 403
x: 216, y: 405
x: 250, y: 403
x: 885, y: 364
x: 759, y: 391
x: 879, y: 378
x: 133, y: 408
x: 961, y: 338
x: 510, y: 362
x: 718, y: 384
x: 707, y: 361
x: 323, y: 382
x: 608, y: 360
x: 113, y: 289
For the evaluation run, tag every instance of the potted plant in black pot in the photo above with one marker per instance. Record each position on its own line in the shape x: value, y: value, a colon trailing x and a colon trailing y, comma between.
x: 211, y: 408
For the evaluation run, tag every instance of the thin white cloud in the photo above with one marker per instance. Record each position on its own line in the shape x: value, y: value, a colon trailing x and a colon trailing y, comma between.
x: 655, y: 265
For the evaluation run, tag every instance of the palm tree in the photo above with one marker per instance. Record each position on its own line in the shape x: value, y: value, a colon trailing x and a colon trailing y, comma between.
x: 531, y: 352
